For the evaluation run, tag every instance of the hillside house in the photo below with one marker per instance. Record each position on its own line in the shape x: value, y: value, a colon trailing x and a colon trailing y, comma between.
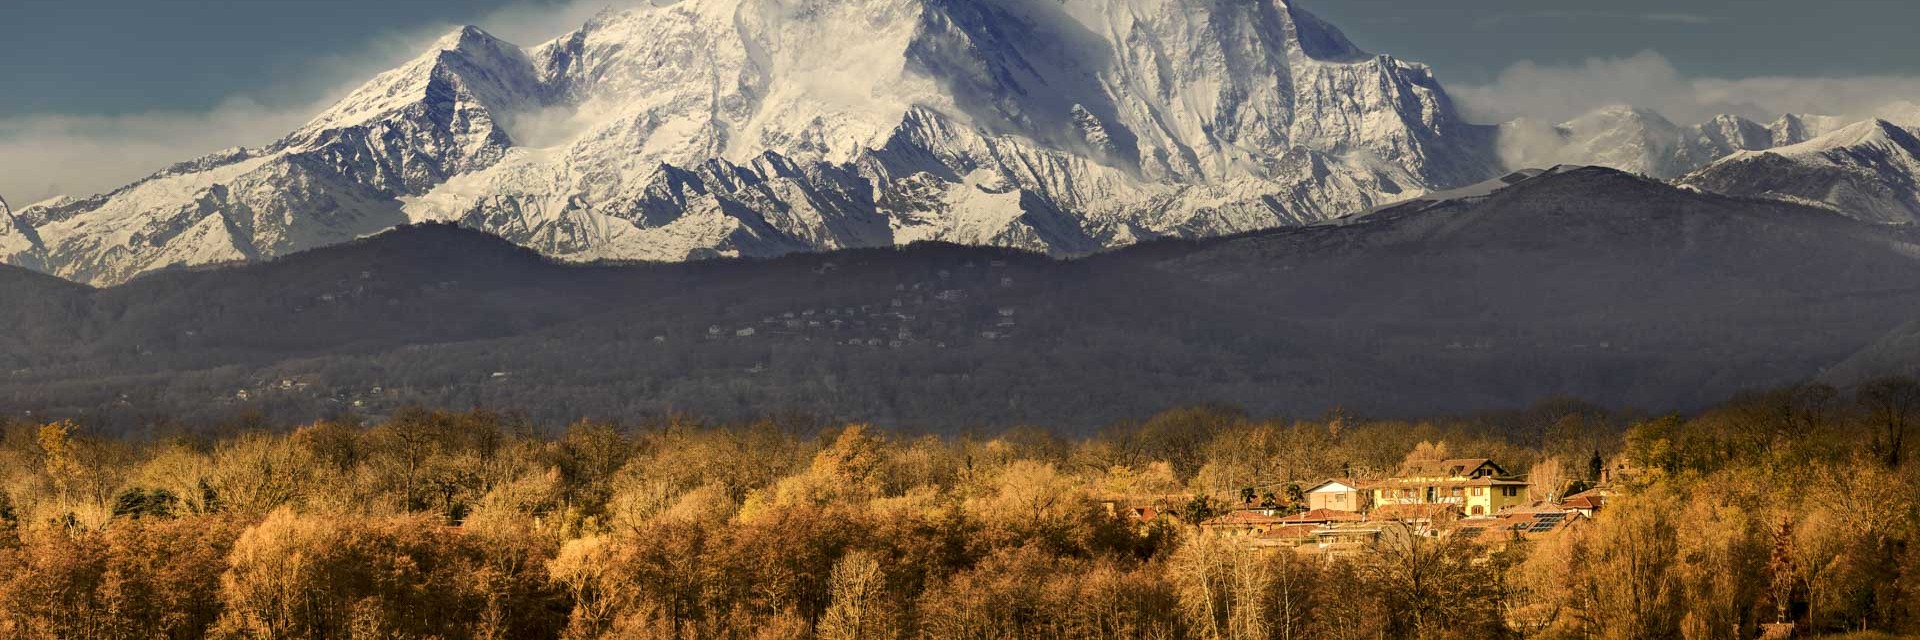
x: 1587, y: 502
x: 1244, y: 522
x: 1518, y: 524
x: 1339, y: 495
x: 1477, y: 486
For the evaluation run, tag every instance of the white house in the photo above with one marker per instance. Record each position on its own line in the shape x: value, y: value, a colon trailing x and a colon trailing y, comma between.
x: 1338, y: 495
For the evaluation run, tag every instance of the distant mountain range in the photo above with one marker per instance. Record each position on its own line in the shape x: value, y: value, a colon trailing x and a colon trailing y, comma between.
x: 1573, y: 281
x: 714, y: 128
x: 727, y: 128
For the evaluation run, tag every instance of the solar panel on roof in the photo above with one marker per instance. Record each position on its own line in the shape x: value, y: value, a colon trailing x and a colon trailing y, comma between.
x: 1547, y: 521
x: 1470, y: 531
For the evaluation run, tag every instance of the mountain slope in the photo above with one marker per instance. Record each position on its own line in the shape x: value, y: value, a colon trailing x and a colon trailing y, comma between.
x: 36, y: 315
x: 1869, y: 170
x: 334, y: 180
x: 1895, y: 354
x: 752, y: 128
x: 1575, y: 281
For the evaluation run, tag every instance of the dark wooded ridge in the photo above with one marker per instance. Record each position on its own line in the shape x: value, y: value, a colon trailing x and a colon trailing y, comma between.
x: 1590, y: 283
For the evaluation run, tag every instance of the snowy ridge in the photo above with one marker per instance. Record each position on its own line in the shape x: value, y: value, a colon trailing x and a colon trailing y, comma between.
x: 1644, y: 142
x: 713, y: 128
x: 728, y: 127
x: 1869, y: 170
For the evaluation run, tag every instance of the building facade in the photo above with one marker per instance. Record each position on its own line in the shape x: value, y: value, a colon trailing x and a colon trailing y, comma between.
x: 1477, y: 486
x: 1339, y: 495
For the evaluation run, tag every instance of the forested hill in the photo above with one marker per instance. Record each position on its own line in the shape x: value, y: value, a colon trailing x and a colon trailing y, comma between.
x: 1583, y: 282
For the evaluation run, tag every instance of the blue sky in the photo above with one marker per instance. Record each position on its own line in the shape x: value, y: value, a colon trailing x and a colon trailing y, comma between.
x: 125, y: 86
x: 130, y: 56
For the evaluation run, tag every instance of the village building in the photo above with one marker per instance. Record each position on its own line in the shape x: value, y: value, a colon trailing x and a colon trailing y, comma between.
x: 1244, y: 522
x: 1339, y: 495
x: 1287, y: 536
x: 1586, y: 502
x: 1523, y: 523
x: 1320, y: 517
x: 1416, y: 513
x: 1468, y: 498
x: 1342, y: 539
x: 1477, y: 486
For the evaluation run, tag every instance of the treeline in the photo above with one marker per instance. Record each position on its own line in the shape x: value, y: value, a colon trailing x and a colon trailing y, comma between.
x: 1799, y: 505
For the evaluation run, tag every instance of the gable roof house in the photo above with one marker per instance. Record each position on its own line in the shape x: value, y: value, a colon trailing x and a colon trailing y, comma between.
x: 1478, y: 486
x: 1339, y: 495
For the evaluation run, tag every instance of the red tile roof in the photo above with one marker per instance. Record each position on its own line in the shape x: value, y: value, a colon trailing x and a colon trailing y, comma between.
x: 1321, y: 516
x: 1291, y: 532
x: 1243, y: 517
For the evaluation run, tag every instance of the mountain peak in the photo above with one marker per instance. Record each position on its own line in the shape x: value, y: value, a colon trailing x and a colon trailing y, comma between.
x: 1061, y: 126
x: 1319, y: 39
x: 1875, y: 132
x: 1868, y: 170
x: 464, y: 38
x: 1621, y: 113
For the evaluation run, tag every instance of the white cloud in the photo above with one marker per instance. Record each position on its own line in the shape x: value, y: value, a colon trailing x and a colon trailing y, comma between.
x: 46, y: 155
x: 42, y: 155
x: 1555, y: 93
x: 1500, y: 19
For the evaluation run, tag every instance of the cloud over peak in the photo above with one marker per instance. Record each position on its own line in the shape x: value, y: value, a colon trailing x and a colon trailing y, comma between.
x: 1556, y: 93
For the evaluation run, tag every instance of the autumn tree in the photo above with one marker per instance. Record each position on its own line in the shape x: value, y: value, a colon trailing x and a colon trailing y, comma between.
x: 859, y: 608
x: 1892, y: 407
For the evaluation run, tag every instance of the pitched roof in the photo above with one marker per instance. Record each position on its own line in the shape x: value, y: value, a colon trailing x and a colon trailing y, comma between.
x: 1584, y: 501
x: 1243, y: 517
x: 1453, y: 467
x: 1291, y: 532
x: 1322, y: 515
x: 1516, y: 524
x: 1596, y: 492
x: 1349, y: 482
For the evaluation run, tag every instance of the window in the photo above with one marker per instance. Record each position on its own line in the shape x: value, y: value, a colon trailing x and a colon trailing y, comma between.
x: 1509, y: 491
x: 1340, y: 498
x: 1479, y: 510
x: 1457, y: 492
x: 1479, y: 491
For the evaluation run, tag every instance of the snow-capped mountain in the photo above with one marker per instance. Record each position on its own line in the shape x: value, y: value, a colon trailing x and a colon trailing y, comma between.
x: 1645, y: 142
x: 1869, y: 170
x: 760, y: 127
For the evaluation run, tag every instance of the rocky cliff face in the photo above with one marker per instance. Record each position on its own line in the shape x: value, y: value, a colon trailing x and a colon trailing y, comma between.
x: 760, y: 127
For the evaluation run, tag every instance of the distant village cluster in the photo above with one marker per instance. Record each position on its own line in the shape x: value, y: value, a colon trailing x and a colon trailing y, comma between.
x: 923, y: 313
x: 1466, y: 498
